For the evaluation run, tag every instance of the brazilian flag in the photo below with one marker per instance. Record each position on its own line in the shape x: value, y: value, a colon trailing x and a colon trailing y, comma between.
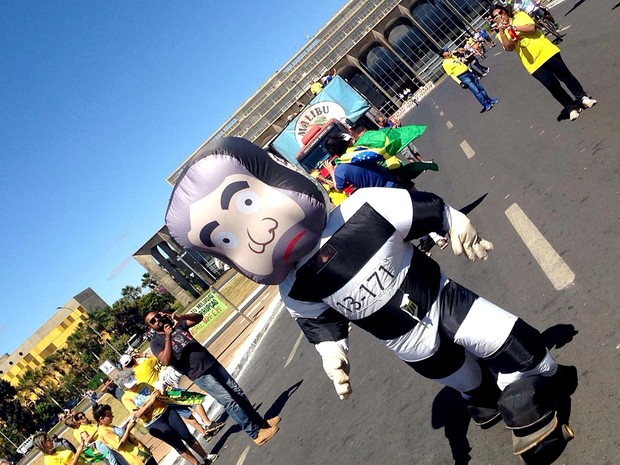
x: 390, y: 140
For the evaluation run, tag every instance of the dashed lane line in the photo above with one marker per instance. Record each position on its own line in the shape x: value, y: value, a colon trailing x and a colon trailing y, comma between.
x: 449, y: 124
x: 549, y: 260
x: 295, y: 346
x: 465, y: 147
x: 441, y: 113
x: 243, y: 455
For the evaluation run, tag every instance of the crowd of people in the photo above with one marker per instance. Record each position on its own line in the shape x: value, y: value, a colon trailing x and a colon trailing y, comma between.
x: 158, y: 406
x: 513, y: 383
x: 516, y: 31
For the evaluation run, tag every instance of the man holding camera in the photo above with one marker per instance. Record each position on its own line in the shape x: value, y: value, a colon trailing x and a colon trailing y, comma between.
x: 459, y: 71
x: 174, y: 346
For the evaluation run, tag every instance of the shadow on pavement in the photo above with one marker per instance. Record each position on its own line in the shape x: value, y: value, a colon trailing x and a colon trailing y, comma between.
x: 558, y: 336
x: 450, y: 413
x: 279, y: 403
x: 615, y: 6
x: 574, y: 7
x: 273, y: 411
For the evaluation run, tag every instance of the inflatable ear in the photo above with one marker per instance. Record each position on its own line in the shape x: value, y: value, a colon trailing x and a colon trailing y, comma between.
x: 238, y: 204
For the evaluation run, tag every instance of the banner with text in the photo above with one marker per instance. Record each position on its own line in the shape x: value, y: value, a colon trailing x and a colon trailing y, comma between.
x: 338, y: 100
x: 210, y: 307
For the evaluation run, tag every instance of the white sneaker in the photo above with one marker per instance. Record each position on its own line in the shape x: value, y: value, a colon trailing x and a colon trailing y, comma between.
x: 210, y: 458
x: 587, y: 102
x: 574, y: 114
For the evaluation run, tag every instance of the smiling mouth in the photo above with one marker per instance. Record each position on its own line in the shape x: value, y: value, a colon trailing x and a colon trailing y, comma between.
x: 260, y: 247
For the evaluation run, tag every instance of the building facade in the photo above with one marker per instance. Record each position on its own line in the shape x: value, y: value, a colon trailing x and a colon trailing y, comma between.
x: 50, y: 337
x: 380, y: 47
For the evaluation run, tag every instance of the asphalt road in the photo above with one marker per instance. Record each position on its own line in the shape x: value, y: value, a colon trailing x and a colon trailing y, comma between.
x: 552, y: 212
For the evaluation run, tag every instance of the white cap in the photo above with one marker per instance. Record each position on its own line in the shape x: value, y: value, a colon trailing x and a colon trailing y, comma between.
x: 125, y: 360
x: 130, y: 382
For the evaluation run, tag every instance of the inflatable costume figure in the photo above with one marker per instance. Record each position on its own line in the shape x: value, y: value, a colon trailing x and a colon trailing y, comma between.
x: 357, y: 264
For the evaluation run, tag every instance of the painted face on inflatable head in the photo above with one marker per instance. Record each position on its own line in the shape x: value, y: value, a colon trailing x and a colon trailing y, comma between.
x: 240, y: 205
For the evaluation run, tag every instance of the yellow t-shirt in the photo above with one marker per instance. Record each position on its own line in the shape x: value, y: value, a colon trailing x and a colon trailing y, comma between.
x: 60, y: 457
x: 132, y: 450
x: 533, y: 48
x: 147, y: 370
x: 453, y: 66
x: 77, y: 433
x: 316, y: 87
x: 133, y: 400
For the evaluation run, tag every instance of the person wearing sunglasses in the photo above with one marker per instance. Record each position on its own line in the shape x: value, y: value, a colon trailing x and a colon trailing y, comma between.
x: 541, y: 58
x: 121, y: 440
x: 174, y: 346
x: 85, y: 432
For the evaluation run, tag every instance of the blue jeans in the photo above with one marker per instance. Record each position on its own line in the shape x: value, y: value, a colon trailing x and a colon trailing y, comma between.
x: 218, y: 383
x: 474, y: 85
x: 111, y: 457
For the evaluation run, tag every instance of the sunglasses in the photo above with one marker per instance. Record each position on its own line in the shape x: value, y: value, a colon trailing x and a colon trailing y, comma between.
x: 80, y: 417
x: 154, y: 320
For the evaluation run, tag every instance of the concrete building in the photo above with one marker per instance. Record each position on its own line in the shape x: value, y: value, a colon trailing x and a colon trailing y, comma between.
x: 184, y: 274
x: 380, y: 47
x: 50, y: 337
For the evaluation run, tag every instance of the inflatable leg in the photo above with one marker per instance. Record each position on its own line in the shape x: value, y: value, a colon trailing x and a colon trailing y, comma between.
x: 482, y: 401
x: 528, y: 408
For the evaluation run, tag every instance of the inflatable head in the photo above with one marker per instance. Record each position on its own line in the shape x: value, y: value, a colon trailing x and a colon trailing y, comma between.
x: 239, y: 204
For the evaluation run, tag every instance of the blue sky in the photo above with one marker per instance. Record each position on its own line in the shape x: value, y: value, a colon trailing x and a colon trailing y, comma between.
x: 99, y: 102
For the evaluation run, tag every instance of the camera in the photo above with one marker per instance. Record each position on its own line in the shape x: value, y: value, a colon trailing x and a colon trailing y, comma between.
x: 166, y: 320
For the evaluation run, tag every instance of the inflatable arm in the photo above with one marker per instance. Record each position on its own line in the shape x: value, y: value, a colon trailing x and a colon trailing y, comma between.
x: 329, y: 334
x: 432, y: 214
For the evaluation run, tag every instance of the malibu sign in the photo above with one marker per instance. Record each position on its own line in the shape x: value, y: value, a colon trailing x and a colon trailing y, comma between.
x: 317, y: 114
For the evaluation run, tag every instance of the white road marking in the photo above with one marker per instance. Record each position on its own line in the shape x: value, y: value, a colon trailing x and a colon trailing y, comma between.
x: 243, y: 455
x: 441, y: 113
x: 295, y: 346
x: 469, y: 152
x: 449, y: 124
x: 549, y: 260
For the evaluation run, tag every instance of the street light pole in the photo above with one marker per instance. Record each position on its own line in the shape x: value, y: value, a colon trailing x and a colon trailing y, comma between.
x: 96, y: 332
x: 5, y: 437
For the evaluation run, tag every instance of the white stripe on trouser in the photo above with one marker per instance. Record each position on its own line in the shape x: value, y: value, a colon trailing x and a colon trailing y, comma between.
x: 485, y: 328
x: 483, y: 332
x: 547, y: 367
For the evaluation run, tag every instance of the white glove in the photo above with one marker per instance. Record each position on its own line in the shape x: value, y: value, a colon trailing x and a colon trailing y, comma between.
x: 336, y: 365
x: 464, y: 237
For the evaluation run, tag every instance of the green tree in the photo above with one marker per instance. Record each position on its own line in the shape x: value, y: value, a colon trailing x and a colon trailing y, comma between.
x: 148, y: 282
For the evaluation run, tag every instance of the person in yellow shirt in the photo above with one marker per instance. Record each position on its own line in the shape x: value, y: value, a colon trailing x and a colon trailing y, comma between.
x: 85, y: 431
x: 53, y: 456
x: 120, y: 439
x: 459, y: 71
x: 541, y: 58
x: 148, y: 370
x: 160, y: 421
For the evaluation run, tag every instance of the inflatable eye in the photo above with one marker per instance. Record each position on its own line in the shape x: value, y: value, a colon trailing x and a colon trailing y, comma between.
x: 225, y: 240
x: 247, y: 201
